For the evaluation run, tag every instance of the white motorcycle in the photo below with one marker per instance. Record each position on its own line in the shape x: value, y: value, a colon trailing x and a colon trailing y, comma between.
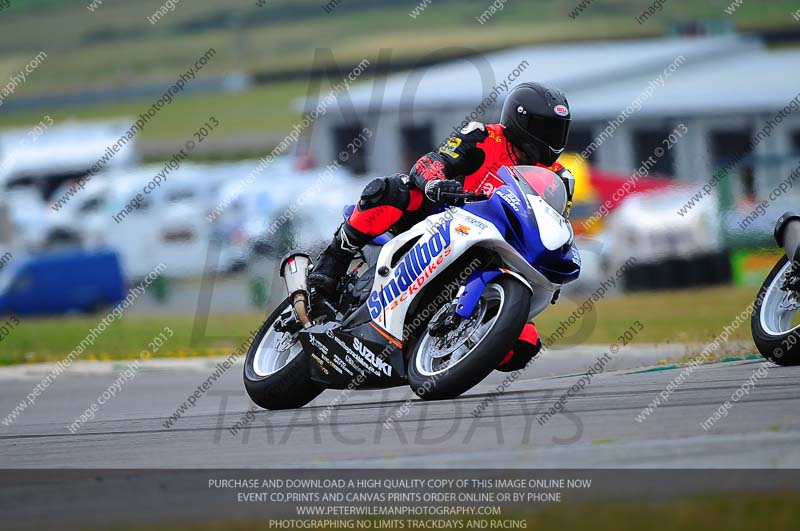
x: 437, y: 307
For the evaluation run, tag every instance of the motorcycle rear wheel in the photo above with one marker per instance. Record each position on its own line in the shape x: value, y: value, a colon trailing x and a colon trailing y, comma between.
x: 277, y: 372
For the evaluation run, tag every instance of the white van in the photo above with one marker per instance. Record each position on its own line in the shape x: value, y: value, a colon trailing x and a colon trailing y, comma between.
x: 166, y: 226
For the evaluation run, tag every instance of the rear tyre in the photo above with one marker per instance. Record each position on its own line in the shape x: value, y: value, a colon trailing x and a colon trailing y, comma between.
x: 445, y: 367
x: 277, y: 374
x: 771, y: 322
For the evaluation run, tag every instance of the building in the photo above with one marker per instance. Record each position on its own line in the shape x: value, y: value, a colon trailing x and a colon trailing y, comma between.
x: 627, y: 98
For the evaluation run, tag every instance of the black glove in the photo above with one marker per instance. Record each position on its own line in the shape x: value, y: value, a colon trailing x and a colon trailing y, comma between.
x: 435, y: 189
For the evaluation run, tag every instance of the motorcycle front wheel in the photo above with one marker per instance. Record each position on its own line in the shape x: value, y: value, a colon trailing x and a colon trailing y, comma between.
x: 773, y: 324
x: 445, y: 367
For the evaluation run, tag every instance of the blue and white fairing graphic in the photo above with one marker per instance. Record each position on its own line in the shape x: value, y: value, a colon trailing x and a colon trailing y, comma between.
x: 411, y: 273
x: 536, y: 230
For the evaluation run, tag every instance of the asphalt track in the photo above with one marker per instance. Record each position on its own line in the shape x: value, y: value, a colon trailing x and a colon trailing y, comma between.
x: 599, y: 429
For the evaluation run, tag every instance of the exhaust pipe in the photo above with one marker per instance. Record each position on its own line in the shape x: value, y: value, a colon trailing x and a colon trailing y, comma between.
x: 787, y: 234
x: 294, y: 271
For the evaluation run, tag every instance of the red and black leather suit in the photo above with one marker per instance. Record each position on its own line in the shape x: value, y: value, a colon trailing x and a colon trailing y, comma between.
x: 399, y: 201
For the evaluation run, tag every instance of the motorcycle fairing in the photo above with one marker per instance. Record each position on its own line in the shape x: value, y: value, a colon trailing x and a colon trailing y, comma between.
x: 339, y: 357
x: 389, y: 304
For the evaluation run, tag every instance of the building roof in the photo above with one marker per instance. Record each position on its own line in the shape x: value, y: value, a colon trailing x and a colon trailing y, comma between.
x: 752, y: 82
x: 716, y: 75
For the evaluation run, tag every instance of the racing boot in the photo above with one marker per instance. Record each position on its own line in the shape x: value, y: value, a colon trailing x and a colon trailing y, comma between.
x: 331, y: 266
x: 527, y: 347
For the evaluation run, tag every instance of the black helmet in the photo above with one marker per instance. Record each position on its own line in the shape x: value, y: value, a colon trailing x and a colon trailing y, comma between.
x: 536, y: 118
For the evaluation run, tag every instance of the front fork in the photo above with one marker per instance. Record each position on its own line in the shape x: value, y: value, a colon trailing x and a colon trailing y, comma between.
x: 787, y: 234
x: 468, y: 297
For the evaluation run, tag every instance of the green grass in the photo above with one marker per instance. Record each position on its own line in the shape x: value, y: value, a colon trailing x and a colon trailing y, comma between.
x: 39, y: 340
x: 117, y: 45
x: 684, y: 316
x: 728, y: 512
x: 253, y: 111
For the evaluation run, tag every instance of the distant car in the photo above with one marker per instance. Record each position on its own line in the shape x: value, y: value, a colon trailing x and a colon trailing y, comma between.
x: 671, y: 250
x: 646, y: 225
x: 65, y: 152
x: 62, y: 282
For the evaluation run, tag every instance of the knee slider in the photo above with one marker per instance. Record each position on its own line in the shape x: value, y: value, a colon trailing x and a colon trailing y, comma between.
x: 391, y: 191
x: 373, y: 194
x: 397, y: 192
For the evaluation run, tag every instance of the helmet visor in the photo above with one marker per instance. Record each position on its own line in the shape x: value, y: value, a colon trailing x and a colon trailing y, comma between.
x: 552, y: 131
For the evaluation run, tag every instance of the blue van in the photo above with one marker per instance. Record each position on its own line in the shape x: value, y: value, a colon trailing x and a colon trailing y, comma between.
x: 61, y: 282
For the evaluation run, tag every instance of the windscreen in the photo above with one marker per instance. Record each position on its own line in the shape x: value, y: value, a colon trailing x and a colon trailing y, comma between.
x: 543, y: 183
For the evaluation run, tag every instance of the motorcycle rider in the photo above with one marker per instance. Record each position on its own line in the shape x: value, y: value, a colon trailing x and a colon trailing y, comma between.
x: 533, y: 130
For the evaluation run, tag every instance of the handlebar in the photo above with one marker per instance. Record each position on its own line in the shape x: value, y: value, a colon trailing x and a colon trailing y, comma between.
x: 465, y: 196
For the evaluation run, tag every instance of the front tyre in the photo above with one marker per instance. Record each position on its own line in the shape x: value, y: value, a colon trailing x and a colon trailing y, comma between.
x: 277, y: 374
x: 773, y: 313
x: 445, y: 367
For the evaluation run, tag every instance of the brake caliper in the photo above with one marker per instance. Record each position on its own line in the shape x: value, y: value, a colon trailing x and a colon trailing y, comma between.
x: 445, y: 322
